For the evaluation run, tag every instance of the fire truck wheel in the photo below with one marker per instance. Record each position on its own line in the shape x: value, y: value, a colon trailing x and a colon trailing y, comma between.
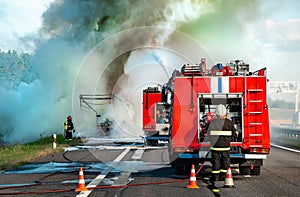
x: 256, y: 170
x: 179, y: 170
x: 148, y: 143
x: 155, y: 142
x: 244, y: 170
x: 152, y: 142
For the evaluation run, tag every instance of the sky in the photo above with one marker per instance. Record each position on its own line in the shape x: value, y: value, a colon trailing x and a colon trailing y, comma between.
x: 20, y: 19
x: 272, y: 36
x: 265, y: 33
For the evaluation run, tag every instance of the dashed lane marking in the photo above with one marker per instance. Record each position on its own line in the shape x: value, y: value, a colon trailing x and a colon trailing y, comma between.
x: 138, y: 154
x: 123, y: 179
x: 101, y: 176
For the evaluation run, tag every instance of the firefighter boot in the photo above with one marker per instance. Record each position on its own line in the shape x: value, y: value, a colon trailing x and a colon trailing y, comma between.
x: 214, y: 188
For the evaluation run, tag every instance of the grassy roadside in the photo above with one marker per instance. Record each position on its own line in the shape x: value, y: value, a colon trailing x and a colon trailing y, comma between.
x: 13, y: 156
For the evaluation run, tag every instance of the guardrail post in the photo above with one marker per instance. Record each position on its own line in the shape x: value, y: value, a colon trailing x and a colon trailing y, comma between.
x: 54, y: 141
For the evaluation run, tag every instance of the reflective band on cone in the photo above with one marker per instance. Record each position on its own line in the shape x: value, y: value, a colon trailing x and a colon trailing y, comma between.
x: 229, y: 179
x: 81, y: 183
x: 193, y: 181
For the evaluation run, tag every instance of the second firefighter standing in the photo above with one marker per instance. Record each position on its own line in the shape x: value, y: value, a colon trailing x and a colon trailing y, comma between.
x: 69, y: 128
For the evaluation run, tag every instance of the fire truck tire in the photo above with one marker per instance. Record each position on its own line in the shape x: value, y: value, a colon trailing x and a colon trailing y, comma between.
x: 148, y: 143
x: 152, y: 142
x: 245, y: 170
x: 255, y: 171
x: 179, y: 170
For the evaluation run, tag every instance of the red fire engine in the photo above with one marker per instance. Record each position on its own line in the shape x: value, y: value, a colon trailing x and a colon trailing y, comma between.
x: 187, y: 103
x: 156, y: 114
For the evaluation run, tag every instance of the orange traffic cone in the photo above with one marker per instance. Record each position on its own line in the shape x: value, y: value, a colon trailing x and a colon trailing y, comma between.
x: 81, y: 184
x: 193, y: 183
x: 229, y: 179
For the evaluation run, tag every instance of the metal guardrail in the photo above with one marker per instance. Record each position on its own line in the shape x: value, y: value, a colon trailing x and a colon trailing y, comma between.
x: 285, y: 132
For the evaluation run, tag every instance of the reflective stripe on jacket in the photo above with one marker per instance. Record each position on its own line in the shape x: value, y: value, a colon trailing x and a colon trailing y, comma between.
x: 220, y: 132
x: 220, y: 149
x: 215, y: 171
x: 224, y: 133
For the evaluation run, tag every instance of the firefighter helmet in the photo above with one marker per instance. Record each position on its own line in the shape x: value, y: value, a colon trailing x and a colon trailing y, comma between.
x: 221, y: 110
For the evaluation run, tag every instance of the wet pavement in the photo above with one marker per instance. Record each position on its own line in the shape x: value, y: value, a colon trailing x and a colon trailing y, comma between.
x: 57, y: 167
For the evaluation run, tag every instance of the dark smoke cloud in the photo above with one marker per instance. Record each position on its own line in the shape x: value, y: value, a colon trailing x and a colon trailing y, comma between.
x: 91, y: 21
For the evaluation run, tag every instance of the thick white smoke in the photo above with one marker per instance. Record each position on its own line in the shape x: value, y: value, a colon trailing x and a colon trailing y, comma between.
x: 86, y: 47
x: 41, y: 107
x: 70, y: 30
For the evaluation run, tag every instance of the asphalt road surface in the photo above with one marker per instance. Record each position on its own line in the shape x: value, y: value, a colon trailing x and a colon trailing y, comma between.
x: 138, y: 171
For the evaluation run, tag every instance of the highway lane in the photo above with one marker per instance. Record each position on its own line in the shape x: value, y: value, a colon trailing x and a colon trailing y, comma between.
x: 279, y: 175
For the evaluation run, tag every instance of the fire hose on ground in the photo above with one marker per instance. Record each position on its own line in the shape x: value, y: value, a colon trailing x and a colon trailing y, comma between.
x: 39, y: 183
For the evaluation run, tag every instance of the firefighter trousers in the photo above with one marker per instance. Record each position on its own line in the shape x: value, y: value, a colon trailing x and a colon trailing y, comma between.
x: 220, y: 164
x: 69, y: 135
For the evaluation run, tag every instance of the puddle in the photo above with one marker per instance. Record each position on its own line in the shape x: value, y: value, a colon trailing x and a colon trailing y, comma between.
x: 115, y: 141
x: 112, y: 147
x: 18, y: 185
x: 139, y: 166
x: 56, y: 167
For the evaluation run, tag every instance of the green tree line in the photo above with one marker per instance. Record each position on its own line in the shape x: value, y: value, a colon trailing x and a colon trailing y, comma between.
x: 15, y: 68
x: 280, y: 103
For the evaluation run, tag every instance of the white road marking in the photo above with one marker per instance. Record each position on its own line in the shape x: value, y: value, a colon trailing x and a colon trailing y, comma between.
x: 111, y: 147
x: 120, y: 157
x: 123, y: 179
x: 101, y: 176
x: 285, y: 148
x: 138, y: 154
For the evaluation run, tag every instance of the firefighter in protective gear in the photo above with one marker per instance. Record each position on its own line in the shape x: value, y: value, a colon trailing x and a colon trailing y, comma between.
x: 220, y: 131
x: 69, y: 128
